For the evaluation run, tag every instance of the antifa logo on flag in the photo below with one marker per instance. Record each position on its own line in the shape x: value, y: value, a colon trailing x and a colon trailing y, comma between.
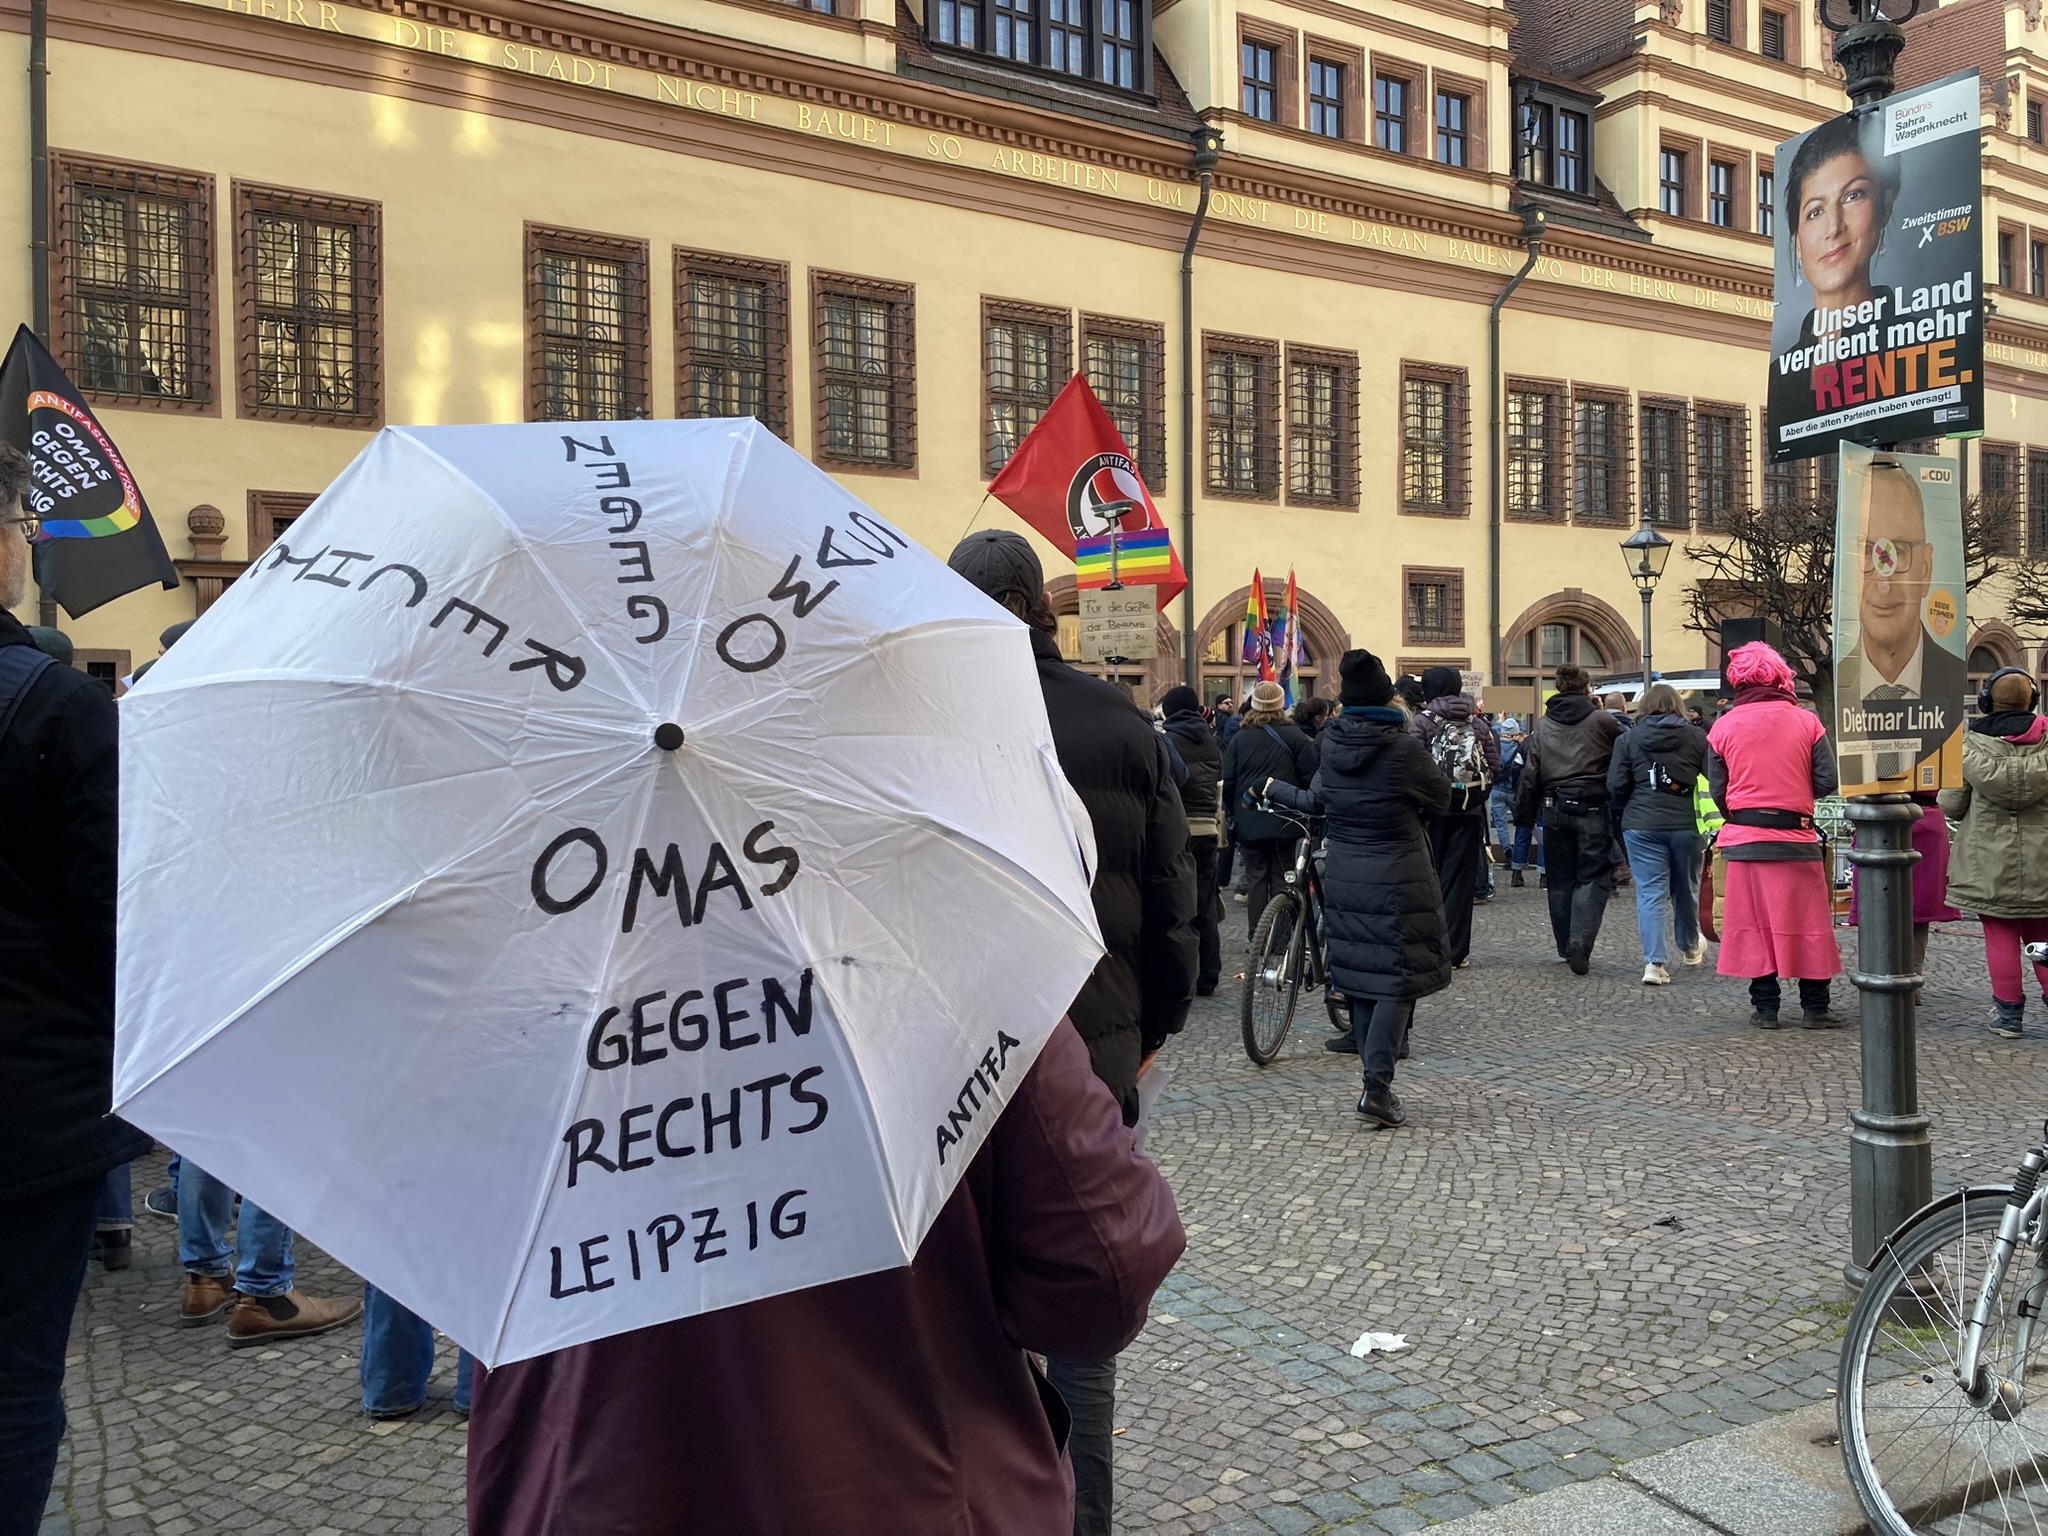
x: 1105, y: 488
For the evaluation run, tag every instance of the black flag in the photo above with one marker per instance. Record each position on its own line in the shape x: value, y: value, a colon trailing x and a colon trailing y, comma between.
x: 98, y: 540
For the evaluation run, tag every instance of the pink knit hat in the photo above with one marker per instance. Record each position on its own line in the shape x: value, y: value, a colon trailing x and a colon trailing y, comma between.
x: 1757, y: 665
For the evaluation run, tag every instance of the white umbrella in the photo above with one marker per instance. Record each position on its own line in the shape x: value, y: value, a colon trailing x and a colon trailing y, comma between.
x: 584, y: 876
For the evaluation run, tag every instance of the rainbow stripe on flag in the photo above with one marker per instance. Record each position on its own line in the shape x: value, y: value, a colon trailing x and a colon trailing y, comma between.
x: 1144, y: 559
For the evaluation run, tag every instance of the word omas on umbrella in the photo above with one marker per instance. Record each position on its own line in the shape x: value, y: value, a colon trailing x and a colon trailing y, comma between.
x: 611, y: 473
x: 564, y: 670
x: 756, y: 641
x: 554, y: 874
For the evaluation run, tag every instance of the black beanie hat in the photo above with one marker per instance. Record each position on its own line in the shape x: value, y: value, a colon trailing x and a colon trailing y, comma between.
x: 1365, y: 680
x: 1180, y: 700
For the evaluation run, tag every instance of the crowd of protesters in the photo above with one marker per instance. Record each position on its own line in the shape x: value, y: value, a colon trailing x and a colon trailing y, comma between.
x: 976, y: 1389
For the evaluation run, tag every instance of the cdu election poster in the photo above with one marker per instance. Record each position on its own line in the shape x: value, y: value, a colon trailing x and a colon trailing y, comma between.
x: 1878, y: 332
x: 1900, y: 672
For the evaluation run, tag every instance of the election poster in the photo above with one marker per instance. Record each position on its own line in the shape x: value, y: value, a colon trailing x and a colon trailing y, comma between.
x: 1878, y: 332
x: 1900, y: 671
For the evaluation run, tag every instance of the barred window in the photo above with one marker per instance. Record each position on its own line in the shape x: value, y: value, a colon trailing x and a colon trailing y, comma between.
x: 586, y: 298
x: 866, y: 364
x: 1999, y: 466
x: 732, y: 338
x: 1535, y: 452
x: 134, y: 281
x: 1599, y: 456
x: 1435, y: 440
x: 1720, y: 463
x: 2037, y: 506
x: 1322, y: 426
x: 1027, y: 356
x: 1434, y: 613
x: 1661, y: 474
x: 1242, y: 408
x: 308, y: 306
x: 1125, y: 363
x: 1787, y: 482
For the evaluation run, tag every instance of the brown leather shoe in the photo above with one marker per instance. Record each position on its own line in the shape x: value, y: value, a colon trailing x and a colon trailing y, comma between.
x: 206, y: 1298
x: 260, y: 1319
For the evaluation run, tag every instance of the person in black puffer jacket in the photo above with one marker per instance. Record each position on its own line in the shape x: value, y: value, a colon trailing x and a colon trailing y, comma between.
x: 1383, y: 910
x: 1144, y: 894
x: 1651, y: 781
x: 1268, y: 746
x: 1201, y: 797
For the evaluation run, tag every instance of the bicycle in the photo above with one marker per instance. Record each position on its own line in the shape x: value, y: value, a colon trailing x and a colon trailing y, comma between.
x: 1932, y: 1397
x: 1287, y: 952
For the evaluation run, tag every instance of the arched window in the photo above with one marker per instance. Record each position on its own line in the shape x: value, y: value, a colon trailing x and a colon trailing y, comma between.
x: 1221, y: 636
x: 1992, y: 647
x: 1568, y: 629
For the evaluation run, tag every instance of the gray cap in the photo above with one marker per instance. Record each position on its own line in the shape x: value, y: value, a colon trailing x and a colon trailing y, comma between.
x: 1000, y: 563
x: 175, y: 633
x: 53, y: 643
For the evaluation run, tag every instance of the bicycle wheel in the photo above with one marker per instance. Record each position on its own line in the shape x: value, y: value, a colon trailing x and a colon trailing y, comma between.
x: 1272, y: 981
x: 1920, y: 1455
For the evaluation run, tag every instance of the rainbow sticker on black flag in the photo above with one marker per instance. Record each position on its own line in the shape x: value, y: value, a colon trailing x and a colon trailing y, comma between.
x: 75, y: 458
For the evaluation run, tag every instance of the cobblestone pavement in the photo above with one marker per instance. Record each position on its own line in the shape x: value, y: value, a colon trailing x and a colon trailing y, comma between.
x: 1615, y: 1224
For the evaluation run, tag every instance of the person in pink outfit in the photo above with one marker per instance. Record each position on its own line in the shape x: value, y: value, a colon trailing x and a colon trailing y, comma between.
x: 2000, y: 871
x: 1768, y: 760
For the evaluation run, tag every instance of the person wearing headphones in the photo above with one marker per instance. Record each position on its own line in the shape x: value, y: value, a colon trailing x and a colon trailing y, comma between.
x: 1999, y: 866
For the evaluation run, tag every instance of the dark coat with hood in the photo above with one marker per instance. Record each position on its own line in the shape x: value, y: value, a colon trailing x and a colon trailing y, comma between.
x: 1383, y: 909
x: 1675, y: 745
x: 1448, y: 705
x: 892, y: 1404
x: 1572, y: 745
x: 1253, y: 757
x: 1144, y: 887
x: 1201, y: 794
x: 59, y: 782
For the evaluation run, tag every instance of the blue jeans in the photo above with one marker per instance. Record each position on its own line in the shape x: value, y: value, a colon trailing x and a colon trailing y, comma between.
x: 262, y: 1253
x: 398, y: 1357
x: 116, y: 1209
x: 1500, y: 809
x: 1666, y: 866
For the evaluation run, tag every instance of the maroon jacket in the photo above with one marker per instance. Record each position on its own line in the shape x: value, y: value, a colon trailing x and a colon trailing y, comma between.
x: 892, y: 1403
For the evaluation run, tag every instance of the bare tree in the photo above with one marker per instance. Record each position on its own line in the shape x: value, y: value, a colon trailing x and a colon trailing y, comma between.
x: 1777, y: 563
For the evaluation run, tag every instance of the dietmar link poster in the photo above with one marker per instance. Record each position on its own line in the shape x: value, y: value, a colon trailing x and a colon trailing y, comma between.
x: 1878, y: 335
x: 1900, y: 672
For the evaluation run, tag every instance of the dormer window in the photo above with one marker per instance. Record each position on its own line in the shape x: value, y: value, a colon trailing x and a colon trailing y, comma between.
x: 1104, y: 42
x: 1554, y: 138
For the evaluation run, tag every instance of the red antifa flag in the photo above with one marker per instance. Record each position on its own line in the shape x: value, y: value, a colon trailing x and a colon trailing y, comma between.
x: 98, y: 540
x: 1072, y: 465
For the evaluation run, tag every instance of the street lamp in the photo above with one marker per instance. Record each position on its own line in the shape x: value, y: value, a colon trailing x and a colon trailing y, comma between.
x: 1646, y: 550
x: 1867, y: 43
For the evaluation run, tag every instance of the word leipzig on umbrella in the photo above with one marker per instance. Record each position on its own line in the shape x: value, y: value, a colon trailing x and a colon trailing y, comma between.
x: 587, y: 875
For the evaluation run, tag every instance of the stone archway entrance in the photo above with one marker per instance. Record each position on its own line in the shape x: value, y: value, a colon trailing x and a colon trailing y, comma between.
x: 1568, y: 628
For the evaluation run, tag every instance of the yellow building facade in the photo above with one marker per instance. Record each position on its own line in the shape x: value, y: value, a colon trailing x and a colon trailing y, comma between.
x: 892, y: 229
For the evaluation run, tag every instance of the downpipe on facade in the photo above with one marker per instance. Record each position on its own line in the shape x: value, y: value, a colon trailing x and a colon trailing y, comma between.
x: 1208, y: 144
x: 1533, y: 223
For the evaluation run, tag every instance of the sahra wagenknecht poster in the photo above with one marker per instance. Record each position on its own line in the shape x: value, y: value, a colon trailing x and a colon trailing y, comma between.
x: 1878, y: 335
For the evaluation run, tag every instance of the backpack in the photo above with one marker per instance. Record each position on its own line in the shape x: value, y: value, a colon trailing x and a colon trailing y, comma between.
x: 1455, y: 750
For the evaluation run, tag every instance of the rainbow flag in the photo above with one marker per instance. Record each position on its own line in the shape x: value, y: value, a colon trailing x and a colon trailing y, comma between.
x: 1288, y: 641
x: 1257, y: 647
x: 1144, y: 558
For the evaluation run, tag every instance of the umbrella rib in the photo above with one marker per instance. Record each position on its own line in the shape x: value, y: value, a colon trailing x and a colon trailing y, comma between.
x: 525, y: 547
x: 578, y: 1077
x: 735, y: 468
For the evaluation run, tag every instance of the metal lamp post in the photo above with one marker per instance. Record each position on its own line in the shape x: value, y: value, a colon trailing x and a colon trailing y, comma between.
x: 1891, y: 1156
x: 1646, y: 550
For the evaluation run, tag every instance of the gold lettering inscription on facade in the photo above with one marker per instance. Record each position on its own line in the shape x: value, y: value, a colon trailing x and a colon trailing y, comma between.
x: 1164, y: 193
x: 943, y: 146
x: 853, y: 127
x: 714, y: 99
x: 1062, y: 173
x: 1246, y: 210
x: 2017, y: 357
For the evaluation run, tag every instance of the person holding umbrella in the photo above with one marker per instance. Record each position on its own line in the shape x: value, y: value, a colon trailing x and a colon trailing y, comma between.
x: 58, y: 779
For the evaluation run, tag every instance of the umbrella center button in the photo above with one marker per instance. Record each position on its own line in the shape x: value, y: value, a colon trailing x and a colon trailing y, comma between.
x: 668, y: 736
